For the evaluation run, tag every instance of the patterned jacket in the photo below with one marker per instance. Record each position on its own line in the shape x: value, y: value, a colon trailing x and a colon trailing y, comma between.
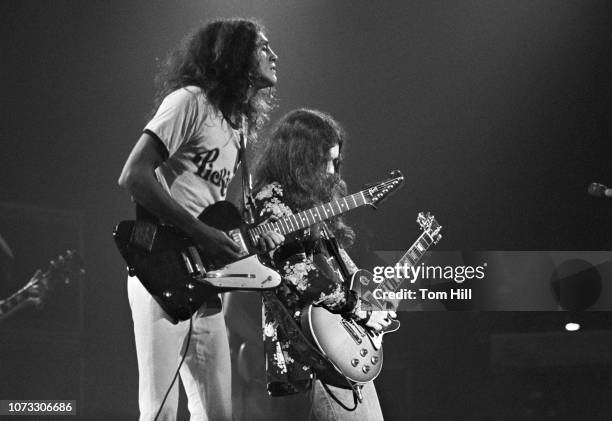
x: 310, y: 275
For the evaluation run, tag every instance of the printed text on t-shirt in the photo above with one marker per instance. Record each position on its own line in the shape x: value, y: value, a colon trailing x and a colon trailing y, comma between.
x: 218, y: 177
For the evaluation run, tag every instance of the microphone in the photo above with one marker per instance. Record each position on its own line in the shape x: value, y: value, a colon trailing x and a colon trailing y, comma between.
x: 599, y: 190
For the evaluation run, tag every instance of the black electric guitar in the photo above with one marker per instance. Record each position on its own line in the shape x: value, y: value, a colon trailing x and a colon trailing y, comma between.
x: 66, y: 268
x: 355, y: 350
x: 181, y: 277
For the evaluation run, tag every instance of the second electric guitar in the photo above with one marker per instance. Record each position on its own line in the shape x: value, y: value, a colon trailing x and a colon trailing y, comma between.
x: 356, y: 351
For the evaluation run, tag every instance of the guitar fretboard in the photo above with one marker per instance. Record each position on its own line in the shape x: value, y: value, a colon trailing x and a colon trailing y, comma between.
x: 302, y: 220
x: 411, y: 258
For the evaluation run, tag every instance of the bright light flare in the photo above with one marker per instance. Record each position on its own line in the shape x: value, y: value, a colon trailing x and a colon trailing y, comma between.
x: 572, y: 327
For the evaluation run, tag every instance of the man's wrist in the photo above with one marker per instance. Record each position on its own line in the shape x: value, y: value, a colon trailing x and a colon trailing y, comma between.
x: 196, y: 227
x: 361, y: 315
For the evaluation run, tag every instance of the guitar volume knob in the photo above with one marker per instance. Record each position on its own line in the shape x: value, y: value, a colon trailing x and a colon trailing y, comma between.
x: 354, y: 362
x: 374, y: 359
x: 365, y: 369
x: 363, y: 352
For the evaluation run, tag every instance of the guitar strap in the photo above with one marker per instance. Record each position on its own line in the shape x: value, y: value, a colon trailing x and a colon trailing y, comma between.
x: 306, y: 352
x: 142, y: 214
x: 248, y: 205
x: 334, y: 249
x: 322, y: 367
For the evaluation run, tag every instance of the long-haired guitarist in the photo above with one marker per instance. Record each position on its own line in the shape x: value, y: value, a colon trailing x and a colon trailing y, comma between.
x: 216, y: 83
x: 299, y: 168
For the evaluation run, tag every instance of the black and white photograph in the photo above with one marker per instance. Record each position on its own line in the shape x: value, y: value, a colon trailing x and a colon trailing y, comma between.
x: 316, y: 210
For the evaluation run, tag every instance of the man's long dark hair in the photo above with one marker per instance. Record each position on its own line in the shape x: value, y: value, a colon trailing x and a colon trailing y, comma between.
x: 219, y: 58
x: 296, y: 155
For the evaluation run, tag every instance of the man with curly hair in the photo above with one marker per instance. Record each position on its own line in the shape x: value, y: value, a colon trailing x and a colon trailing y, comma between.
x: 215, y: 85
x: 299, y: 168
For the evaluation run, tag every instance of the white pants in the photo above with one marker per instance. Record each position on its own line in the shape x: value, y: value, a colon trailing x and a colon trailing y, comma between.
x: 206, y: 371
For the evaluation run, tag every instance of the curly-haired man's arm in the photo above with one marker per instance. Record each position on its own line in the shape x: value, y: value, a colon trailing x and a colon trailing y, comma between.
x: 138, y: 177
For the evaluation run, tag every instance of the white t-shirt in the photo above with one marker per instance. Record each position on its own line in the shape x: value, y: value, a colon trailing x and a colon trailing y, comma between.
x: 202, y: 149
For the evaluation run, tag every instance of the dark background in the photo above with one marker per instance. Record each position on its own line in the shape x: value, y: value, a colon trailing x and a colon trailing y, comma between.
x: 498, y: 114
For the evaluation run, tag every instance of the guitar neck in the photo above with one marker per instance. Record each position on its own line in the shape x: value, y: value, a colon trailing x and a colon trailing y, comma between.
x: 17, y: 300
x: 33, y: 292
x: 411, y: 258
x: 417, y: 250
x: 302, y: 220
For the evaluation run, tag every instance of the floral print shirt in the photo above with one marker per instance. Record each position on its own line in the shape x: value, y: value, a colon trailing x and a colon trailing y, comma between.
x: 310, y: 275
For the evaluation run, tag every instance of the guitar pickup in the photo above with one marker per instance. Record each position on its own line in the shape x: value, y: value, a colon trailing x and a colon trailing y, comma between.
x: 187, y: 263
x: 351, y: 331
x: 195, y: 258
x: 193, y: 262
x: 236, y: 235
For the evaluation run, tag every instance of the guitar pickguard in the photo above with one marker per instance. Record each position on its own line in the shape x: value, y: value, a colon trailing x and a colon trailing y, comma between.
x: 247, y: 274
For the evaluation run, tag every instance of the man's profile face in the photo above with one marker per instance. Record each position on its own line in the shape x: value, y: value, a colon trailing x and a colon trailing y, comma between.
x: 265, y: 64
x: 332, y: 160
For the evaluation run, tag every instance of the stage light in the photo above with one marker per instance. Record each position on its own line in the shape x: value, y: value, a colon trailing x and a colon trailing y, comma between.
x: 572, y: 327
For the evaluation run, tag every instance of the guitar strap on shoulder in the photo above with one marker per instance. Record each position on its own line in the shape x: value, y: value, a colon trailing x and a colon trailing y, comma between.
x: 248, y: 205
x: 143, y: 214
x: 334, y: 249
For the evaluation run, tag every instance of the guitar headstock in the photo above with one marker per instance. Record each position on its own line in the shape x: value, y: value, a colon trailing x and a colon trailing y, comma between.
x: 428, y: 224
x: 67, y: 267
x: 377, y: 193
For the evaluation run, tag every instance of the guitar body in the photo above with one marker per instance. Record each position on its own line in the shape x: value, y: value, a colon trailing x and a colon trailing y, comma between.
x: 181, y: 277
x: 355, y: 351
